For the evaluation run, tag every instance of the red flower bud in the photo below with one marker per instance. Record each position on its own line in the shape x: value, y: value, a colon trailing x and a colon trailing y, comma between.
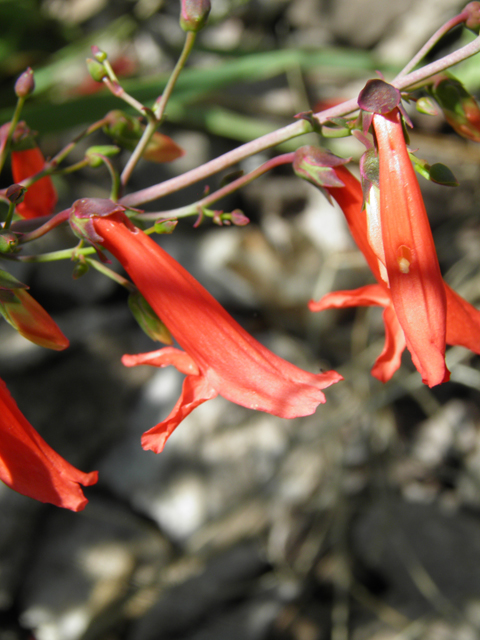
x: 41, y: 197
x: 25, y: 85
x: 460, y: 109
x: 30, y: 319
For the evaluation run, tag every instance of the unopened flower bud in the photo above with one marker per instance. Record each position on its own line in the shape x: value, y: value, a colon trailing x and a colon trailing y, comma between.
x: 238, y: 218
x: 9, y: 282
x: 98, y: 54
x: 25, y: 84
x: 427, y: 106
x: 126, y: 131
x: 473, y: 20
x: 165, y: 226
x: 30, y: 319
x: 194, y: 14
x: 8, y: 241
x: 79, y: 270
x: 15, y: 193
x: 148, y: 319
x: 96, y: 70
x: 460, y: 109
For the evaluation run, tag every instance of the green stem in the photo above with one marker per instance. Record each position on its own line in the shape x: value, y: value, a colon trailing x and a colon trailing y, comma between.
x: 53, y: 256
x: 450, y: 24
x: 138, y: 151
x: 159, y: 109
x: 8, y: 219
x: 113, y: 275
x: 115, y: 190
x: 11, y: 130
x: 63, y: 153
x: 54, y: 221
x: 119, y: 92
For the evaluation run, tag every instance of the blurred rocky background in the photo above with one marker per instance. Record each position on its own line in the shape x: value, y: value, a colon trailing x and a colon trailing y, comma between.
x: 361, y: 522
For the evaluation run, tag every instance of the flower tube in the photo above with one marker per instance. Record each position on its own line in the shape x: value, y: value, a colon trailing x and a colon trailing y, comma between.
x: 415, y: 280
x: 462, y: 320
x: 219, y: 357
x: 28, y: 465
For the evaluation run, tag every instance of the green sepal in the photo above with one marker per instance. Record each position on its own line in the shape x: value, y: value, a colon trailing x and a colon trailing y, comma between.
x: 96, y: 69
x: 426, y: 106
x: 8, y: 242
x: 165, y: 226
x: 9, y: 283
x: 317, y: 166
x: 148, y: 319
x: 79, y: 270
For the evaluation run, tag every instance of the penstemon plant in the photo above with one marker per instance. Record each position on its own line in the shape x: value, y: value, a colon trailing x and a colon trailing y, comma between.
x: 384, y: 212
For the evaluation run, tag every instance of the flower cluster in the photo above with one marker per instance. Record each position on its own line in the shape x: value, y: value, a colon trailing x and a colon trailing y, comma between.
x: 385, y: 213
x: 422, y: 313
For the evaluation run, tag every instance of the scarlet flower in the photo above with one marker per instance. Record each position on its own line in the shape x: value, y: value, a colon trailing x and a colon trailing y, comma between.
x: 28, y: 465
x: 422, y: 312
x: 31, y: 320
x: 219, y: 356
x: 41, y: 197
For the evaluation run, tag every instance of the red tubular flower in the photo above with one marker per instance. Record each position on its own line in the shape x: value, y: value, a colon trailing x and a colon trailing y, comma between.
x: 422, y: 312
x: 415, y: 280
x: 219, y: 356
x: 28, y: 465
x: 41, y: 197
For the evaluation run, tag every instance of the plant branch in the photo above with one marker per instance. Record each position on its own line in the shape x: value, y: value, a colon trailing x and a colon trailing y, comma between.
x: 290, y: 131
x: 445, y: 28
x: 159, y: 108
x: 11, y: 130
x: 53, y: 256
x: 193, y: 209
x: 155, y: 118
x: 222, y: 162
x: 113, y: 275
x: 54, y: 221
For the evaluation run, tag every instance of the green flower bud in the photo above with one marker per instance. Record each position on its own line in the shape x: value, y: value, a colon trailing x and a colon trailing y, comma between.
x: 98, y: 54
x: 148, y: 319
x: 165, y: 226
x: 92, y: 154
x: 96, y: 70
x: 8, y: 241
